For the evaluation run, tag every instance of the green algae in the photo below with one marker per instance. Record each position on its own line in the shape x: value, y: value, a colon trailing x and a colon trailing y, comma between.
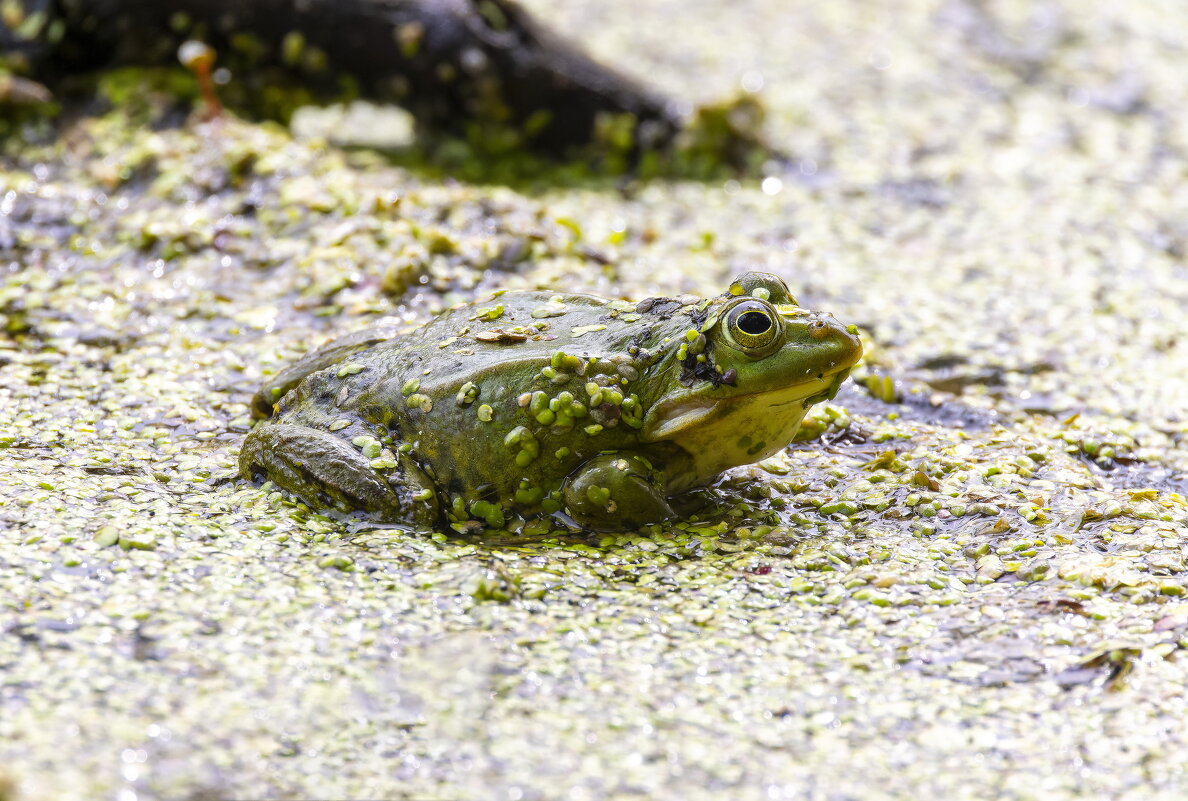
x: 968, y: 579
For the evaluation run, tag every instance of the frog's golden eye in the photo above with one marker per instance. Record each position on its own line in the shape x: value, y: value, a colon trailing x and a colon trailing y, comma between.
x: 753, y: 326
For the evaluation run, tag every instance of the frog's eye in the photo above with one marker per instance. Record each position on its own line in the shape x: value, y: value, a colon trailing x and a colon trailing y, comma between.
x: 753, y: 327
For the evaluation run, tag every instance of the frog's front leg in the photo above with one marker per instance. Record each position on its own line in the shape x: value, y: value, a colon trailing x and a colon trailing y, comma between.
x: 616, y: 491
x: 325, y: 470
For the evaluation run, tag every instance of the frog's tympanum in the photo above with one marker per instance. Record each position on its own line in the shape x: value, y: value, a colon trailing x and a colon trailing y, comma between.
x: 543, y: 403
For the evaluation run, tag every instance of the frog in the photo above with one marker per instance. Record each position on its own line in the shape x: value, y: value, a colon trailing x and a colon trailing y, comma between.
x: 525, y: 404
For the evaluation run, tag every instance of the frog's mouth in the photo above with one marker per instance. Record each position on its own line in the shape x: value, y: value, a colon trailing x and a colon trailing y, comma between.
x: 673, y: 415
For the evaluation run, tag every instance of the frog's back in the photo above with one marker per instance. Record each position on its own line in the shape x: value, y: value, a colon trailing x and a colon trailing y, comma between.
x: 497, y: 397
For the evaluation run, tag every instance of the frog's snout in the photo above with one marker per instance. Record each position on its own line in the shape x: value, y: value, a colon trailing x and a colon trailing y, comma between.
x: 842, y: 348
x: 848, y: 334
x: 842, y: 341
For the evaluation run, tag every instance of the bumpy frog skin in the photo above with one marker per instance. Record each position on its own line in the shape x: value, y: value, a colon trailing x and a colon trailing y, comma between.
x: 536, y: 403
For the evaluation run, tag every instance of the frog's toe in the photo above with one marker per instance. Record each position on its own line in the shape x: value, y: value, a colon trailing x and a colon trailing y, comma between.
x: 324, y: 470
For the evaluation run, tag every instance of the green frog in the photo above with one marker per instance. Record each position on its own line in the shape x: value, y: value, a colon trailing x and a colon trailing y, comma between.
x: 543, y: 403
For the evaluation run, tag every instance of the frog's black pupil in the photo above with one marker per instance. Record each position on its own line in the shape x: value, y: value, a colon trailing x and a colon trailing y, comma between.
x: 754, y: 323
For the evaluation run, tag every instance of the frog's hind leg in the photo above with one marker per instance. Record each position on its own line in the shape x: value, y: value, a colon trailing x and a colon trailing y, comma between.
x: 333, y: 353
x: 324, y: 470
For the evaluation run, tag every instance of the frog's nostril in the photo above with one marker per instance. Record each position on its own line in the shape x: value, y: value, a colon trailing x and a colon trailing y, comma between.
x: 818, y: 329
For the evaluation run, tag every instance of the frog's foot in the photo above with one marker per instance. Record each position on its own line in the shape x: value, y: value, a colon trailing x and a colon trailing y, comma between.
x: 326, y: 471
x: 700, y: 501
x: 616, y: 492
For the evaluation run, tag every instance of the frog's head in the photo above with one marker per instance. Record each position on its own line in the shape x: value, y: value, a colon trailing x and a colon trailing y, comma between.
x: 764, y: 361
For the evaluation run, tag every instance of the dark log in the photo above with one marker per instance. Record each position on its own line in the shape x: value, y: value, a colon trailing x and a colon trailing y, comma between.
x: 452, y: 63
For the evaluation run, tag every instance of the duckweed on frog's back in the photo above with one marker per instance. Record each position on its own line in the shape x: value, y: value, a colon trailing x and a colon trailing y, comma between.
x: 536, y: 403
